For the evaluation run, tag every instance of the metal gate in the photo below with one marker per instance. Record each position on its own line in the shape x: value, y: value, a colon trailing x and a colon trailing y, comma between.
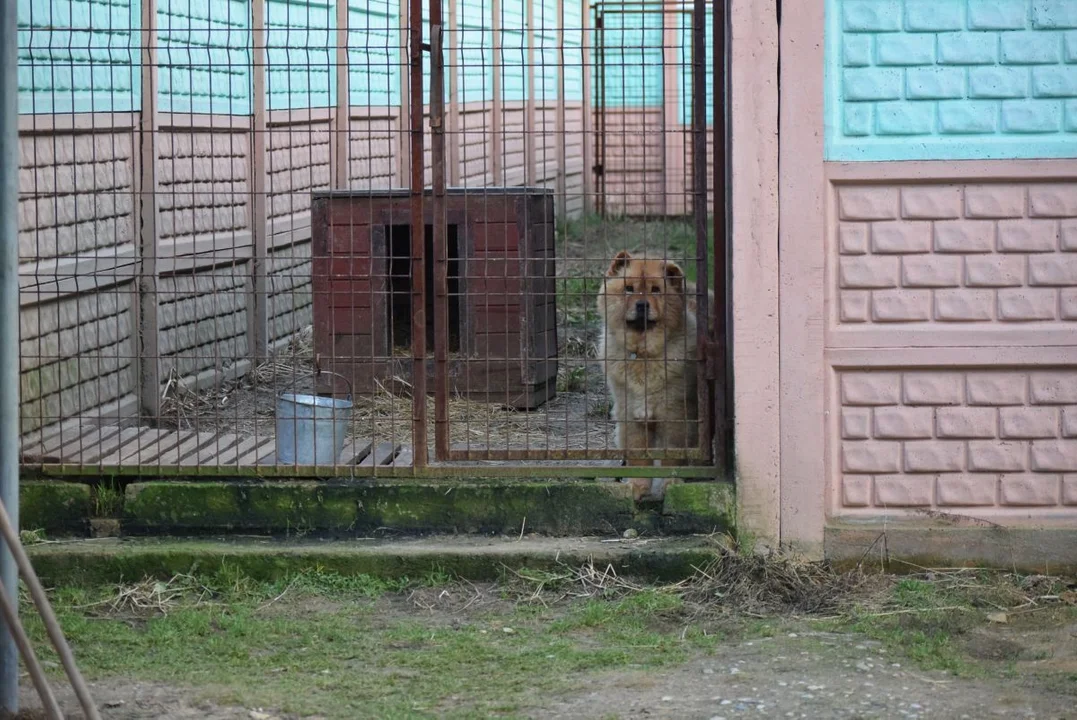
x: 448, y: 215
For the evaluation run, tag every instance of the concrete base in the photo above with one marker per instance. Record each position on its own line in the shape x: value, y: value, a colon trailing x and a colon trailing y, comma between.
x: 113, y: 561
x: 910, y: 548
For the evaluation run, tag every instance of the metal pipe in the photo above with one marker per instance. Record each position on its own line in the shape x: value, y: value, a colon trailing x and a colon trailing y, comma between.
x: 723, y: 252
x: 52, y: 626
x: 699, y: 212
x: 9, y: 330
x: 33, y: 665
x: 440, y: 230
x: 418, y: 237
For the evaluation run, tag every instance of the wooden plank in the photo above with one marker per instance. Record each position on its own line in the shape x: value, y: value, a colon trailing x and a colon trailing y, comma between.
x: 105, y: 448
x: 131, y: 439
x: 149, y: 455
x: 244, y: 446
x: 355, y: 450
x: 405, y: 458
x: 268, y: 454
x: 207, y: 454
x: 176, y: 455
x: 266, y: 445
x: 71, y: 435
x: 149, y: 443
x: 382, y: 454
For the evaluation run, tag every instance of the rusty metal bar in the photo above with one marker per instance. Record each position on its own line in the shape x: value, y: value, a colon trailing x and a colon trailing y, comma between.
x: 440, y: 231
x: 722, y: 354
x: 672, y: 454
x: 699, y: 213
x: 431, y: 471
x: 418, y: 237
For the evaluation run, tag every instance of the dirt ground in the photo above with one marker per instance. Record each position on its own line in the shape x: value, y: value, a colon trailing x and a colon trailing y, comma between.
x: 1023, y: 668
x: 795, y: 675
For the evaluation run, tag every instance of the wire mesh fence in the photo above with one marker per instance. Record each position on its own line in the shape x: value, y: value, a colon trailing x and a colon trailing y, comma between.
x: 373, y: 236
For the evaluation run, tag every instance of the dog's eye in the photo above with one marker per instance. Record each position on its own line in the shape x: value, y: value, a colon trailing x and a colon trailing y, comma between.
x: 630, y: 288
x: 655, y: 289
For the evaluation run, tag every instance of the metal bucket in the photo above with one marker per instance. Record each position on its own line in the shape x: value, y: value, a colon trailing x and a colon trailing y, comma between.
x: 311, y: 430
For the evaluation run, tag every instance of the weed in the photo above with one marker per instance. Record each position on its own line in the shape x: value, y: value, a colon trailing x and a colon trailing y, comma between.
x: 571, y: 379
x: 35, y: 536
x: 107, y: 500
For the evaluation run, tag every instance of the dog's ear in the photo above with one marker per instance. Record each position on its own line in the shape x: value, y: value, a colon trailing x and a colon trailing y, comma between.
x: 675, y: 275
x: 619, y: 261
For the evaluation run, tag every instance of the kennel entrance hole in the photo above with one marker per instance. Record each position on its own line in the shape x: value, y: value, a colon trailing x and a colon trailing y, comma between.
x: 399, y: 246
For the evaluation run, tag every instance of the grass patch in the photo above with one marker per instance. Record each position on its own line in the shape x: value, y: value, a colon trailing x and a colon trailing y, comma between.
x: 358, y: 646
x: 106, y: 500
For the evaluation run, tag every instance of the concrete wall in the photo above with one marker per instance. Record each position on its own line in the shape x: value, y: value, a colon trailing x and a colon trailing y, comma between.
x: 928, y: 273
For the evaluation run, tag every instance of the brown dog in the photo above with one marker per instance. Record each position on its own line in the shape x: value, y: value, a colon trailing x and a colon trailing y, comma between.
x: 648, y: 349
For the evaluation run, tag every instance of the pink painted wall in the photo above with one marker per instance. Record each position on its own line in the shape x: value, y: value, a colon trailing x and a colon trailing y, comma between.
x: 928, y: 330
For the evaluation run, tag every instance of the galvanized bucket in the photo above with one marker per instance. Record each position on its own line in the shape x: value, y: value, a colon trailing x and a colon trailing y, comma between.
x: 310, y: 429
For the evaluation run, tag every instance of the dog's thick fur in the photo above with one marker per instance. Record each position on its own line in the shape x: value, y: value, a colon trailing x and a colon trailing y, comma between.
x: 648, y: 350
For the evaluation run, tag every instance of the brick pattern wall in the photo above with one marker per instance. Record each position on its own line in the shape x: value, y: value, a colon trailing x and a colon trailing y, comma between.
x: 76, y: 194
x: 76, y: 354
x: 298, y: 158
x: 203, y: 319
x: 1000, y: 438
x: 203, y: 183
x: 935, y: 254
x: 951, y: 78
x: 290, y: 302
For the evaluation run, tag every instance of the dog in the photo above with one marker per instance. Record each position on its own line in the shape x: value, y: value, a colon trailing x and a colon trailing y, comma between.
x: 648, y: 347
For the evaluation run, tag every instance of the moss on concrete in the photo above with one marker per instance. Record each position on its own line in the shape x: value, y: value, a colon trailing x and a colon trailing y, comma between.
x: 113, y: 561
x: 222, y: 506
x: 570, y: 509
x: 699, y: 507
x: 54, y: 506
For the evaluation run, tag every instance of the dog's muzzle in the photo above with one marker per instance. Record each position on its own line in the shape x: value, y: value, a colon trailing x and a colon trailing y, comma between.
x: 640, y: 317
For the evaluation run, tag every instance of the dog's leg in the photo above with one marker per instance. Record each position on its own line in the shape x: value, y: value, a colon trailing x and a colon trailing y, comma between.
x: 635, y: 439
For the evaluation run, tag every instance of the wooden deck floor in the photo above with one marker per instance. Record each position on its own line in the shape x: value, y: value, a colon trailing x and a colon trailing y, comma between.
x: 92, y: 444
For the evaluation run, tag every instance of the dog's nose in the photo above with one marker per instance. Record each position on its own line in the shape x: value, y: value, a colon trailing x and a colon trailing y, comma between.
x: 641, y: 308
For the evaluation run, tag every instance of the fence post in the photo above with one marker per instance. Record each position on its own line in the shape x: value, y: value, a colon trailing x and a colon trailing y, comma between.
x: 497, y: 117
x: 342, y: 119
x: 560, y: 189
x: 588, y: 140
x: 9, y: 334
x: 455, y: 107
x: 403, y: 137
x: 148, y: 334
x: 258, y: 312
x: 530, y: 170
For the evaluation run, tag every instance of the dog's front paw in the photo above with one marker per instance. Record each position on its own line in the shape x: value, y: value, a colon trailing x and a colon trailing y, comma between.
x: 641, y: 487
x: 658, y: 486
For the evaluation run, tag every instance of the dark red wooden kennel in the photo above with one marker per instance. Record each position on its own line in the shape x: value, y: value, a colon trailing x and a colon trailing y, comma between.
x: 502, y: 296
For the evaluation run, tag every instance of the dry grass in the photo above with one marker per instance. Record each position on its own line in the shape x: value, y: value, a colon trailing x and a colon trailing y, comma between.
x: 246, y: 406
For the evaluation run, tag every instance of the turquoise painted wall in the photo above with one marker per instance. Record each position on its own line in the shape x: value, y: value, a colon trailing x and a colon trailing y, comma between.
x: 513, y: 58
x: 374, y: 52
x: 951, y: 79
x: 631, y: 55
x: 83, y: 56
x: 573, y: 50
x: 78, y: 56
x: 684, y: 41
x: 475, y: 48
x: 300, y: 54
x: 204, y: 56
